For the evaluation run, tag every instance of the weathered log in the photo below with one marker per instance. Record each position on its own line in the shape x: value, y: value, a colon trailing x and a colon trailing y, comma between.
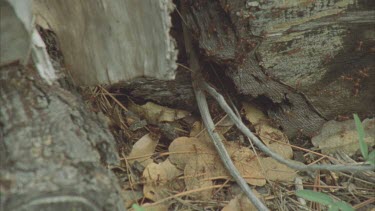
x: 104, y: 42
x: 305, y: 61
x: 52, y: 150
x: 177, y: 93
x: 14, y: 43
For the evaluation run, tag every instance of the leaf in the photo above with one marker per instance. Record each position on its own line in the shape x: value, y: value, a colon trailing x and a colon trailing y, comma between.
x: 183, y: 149
x: 333, y: 208
x: 253, y: 114
x: 131, y: 196
x: 197, y: 175
x: 314, y: 196
x: 155, y: 113
x: 276, y: 171
x: 160, y: 179
x: 371, y: 158
x: 144, y: 146
x: 343, y: 206
x: 241, y: 203
x: 272, y: 137
x: 155, y: 207
x: 361, y: 137
x: 202, y: 156
x: 200, y: 171
x: 221, y: 127
x: 246, y: 162
x: 197, y: 128
x: 343, y: 136
x: 136, y: 207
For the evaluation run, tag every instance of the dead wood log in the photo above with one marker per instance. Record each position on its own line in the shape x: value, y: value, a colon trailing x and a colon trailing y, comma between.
x: 52, y: 150
x: 304, y: 61
x: 104, y: 42
x: 177, y: 93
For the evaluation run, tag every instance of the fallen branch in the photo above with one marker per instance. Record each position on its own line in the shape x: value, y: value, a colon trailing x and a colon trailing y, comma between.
x: 290, y: 163
x: 208, y: 122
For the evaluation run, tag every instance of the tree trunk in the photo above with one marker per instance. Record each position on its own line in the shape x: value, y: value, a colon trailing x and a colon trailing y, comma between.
x: 51, y: 148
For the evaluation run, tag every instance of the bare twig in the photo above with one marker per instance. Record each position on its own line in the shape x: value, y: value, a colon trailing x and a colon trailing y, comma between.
x: 206, y: 116
x: 290, y: 163
x: 186, y: 193
x: 207, y: 120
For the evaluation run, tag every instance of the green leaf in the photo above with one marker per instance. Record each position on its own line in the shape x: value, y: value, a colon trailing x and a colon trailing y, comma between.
x: 361, y: 136
x: 343, y: 206
x: 136, y: 207
x: 333, y: 208
x: 321, y: 198
x: 371, y: 158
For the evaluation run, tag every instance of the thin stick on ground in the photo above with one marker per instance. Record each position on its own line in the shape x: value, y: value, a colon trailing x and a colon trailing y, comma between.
x: 290, y: 163
x: 215, y: 137
x: 186, y: 193
x: 207, y: 120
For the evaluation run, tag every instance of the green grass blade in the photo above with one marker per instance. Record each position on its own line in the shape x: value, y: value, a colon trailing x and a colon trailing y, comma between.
x: 343, y: 206
x: 333, y: 208
x: 361, y: 136
x: 321, y: 198
x: 136, y: 207
x: 371, y: 158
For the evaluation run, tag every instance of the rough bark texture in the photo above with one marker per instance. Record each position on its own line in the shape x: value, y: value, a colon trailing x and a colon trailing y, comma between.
x: 14, y: 43
x: 308, y: 60
x: 177, y: 93
x: 104, y: 42
x: 52, y: 151
x: 305, y: 62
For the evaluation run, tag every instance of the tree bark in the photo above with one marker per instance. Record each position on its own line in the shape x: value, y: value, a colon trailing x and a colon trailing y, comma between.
x: 304, y: 61
x: 104, y: 42
x: 52, y: 150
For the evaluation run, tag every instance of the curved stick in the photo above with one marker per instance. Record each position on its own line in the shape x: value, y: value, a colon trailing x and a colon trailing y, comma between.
x: 290, y: 163
x: 225, y: 158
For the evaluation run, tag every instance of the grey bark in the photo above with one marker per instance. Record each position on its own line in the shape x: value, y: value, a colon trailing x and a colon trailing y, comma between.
x: 53, y: 152
x: 177, y: 93
x: 104, y: 42
x: 306, y: 61
x: 14, y: 43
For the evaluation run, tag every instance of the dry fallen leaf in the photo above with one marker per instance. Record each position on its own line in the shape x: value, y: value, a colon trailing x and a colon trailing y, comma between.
x: 203, y: 160
x: 160, y: 179
x: 241, y: 203
x: 130, y: 197
x: 156, y: 207
x: 246, y: 162
x: 198, y: 175
x: 221, y: 127
x: 144, y: 146
x: 275, y: 140
x: 196, y: 158
x: 276, y: 171
x: 155, y: 113
x: 342, y: 136
x: 253, y: 114
x: 200, y: 172
x: 272, y: 137
x: 183, y: 149
x: 196, y: 128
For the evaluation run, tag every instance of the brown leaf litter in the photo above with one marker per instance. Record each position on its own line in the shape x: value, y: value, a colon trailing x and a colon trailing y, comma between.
x: 193, y: 176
